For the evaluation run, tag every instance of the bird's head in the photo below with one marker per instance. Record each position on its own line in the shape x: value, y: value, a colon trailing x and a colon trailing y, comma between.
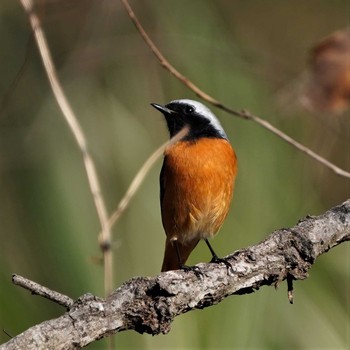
x: 200, y: 120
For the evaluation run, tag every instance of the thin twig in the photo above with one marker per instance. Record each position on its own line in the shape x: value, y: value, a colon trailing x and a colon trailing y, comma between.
x: 140, y: 176
x: 242, y: 114
x: 45, y: 292
x: 79, y: 136
x: 290, y: 289
x: 7, y: 333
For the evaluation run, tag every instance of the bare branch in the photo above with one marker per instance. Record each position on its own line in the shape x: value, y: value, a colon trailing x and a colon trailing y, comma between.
x: 140, y: 176
x: 149, y: 305
x: 242, y: 114
x: 45, y: 292
x: 72, y: 120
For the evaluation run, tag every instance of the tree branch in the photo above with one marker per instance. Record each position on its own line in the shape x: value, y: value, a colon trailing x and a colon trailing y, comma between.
x: 77, y: 131
x: 149, y: 305
x: 45, y: 292
x: 141, y: 174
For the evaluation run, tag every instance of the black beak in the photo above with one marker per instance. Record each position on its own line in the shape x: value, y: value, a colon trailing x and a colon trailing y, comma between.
x: 162, y: 109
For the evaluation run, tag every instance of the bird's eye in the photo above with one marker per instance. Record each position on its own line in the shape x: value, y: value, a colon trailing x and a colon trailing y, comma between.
x: 189, y: 110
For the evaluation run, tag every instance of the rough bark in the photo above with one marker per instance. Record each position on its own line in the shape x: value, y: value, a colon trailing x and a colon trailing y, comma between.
x: 149, y: 305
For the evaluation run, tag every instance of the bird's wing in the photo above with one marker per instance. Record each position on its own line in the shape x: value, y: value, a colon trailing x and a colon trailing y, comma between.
x: 162, y: 182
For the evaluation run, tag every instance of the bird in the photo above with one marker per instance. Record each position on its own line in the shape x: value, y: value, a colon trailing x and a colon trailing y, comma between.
x: 196, y: 181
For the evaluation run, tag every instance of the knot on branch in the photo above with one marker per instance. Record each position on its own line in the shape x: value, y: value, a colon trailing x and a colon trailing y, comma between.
x: 298, y: 251
x: 343, y: 211
x: 147, y: 307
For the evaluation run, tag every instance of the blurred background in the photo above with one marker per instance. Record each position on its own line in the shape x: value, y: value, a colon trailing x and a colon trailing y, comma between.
x: 256, y: 55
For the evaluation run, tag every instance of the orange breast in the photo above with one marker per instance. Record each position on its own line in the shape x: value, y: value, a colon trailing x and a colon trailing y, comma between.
x: 198, y: 183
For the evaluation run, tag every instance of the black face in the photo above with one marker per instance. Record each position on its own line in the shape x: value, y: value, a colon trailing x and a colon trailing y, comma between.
x: 178, y: 115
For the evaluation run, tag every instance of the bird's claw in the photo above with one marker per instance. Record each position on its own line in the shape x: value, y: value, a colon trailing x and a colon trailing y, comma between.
x: 217, y: 260
x: 195, y: 269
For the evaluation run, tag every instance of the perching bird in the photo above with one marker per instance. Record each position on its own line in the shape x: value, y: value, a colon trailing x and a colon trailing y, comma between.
x: 196, y: 180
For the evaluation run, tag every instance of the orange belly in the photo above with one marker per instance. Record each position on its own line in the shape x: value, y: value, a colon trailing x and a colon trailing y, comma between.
x: 198, y: 182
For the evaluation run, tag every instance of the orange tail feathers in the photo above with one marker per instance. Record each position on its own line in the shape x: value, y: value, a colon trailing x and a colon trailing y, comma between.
x: 170, y: 261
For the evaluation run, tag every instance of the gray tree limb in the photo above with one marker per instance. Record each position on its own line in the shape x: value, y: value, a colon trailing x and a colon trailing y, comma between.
x: 44, y: 292
x: 149, y: 305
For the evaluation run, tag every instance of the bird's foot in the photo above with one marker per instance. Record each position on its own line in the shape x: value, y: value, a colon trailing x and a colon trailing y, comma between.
x: 195, y: 269
x: 216, y: 260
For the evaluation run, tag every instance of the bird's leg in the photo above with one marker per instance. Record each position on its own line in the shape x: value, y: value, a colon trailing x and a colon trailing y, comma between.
x: 184, y: 267
x: 215, y: 259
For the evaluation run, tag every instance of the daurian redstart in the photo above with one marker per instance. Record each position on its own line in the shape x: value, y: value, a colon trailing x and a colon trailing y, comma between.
x: 196, y: 180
